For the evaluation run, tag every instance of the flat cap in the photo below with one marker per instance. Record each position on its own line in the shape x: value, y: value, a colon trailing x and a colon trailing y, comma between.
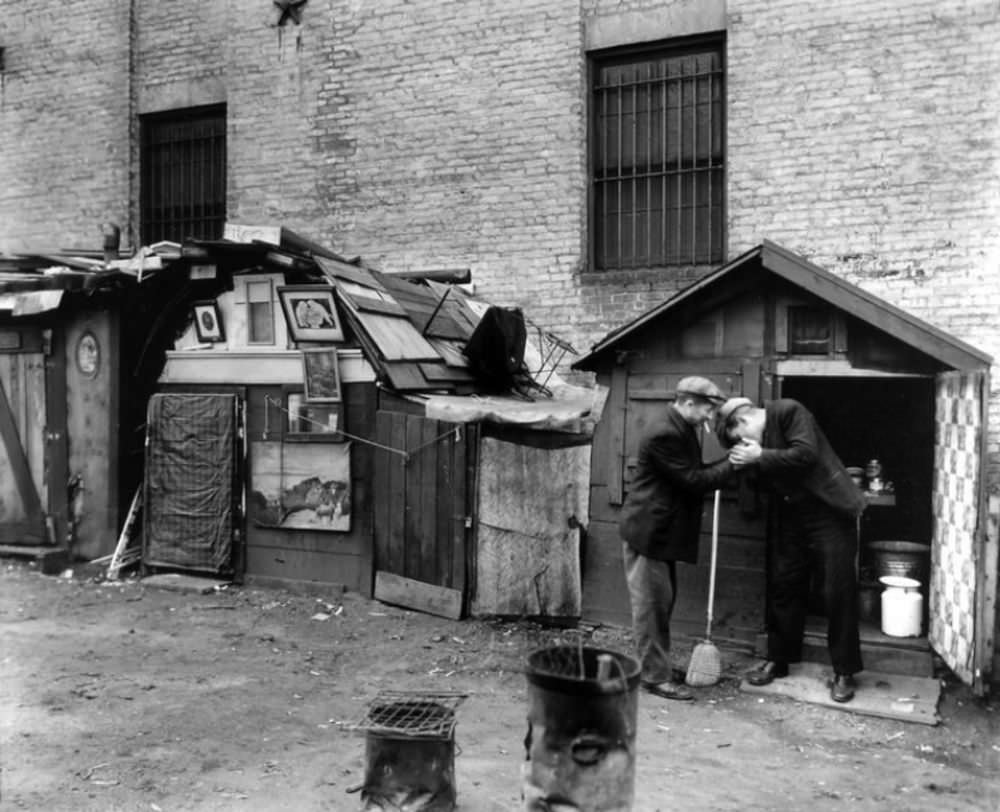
x: 730, y: 406
x: 722, y: 415
x: 700, y: 387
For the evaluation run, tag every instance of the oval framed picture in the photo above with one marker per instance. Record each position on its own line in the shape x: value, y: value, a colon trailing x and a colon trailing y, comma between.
x: 88, y: 355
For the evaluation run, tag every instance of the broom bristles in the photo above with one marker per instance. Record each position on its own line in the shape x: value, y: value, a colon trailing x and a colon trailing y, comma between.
x: 705, y: 666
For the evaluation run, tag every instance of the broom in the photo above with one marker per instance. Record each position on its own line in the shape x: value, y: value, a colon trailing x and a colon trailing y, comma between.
x: 705, y: 666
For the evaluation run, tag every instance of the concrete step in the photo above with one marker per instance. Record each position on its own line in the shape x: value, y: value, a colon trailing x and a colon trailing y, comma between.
x: 909, y: 656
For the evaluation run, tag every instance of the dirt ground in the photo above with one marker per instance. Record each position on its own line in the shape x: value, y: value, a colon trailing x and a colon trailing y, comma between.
x: 119, y: 696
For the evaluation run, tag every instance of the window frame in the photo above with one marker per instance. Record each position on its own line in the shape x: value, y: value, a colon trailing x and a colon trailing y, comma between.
x: 638, y: 52
x: 211, y: 222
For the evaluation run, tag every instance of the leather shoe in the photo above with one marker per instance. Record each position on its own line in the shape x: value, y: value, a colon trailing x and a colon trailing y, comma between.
x: 842, y: 689
x: 767, y: 673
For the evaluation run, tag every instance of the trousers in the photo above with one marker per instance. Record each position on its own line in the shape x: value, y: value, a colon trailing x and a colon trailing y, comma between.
x: 652, y: 589
x: 813, y: 539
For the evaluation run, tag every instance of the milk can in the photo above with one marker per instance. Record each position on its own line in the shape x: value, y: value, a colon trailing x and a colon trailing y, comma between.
x: 902, y: 606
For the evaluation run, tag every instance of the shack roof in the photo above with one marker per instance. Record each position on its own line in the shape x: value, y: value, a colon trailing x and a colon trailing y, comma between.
x: 33, y: 283
x: 781, y: 262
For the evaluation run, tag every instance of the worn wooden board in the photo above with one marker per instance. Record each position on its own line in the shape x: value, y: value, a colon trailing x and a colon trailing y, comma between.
x: 890, y: 696
x: 176, y: 582
x: 420, y: 499
x: 413, y: 594
x: 50, y: 560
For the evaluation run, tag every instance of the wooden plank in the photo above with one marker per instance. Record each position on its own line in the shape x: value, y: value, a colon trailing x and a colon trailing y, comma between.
x: 425, y: 498
x: 396, y: 494
x: 616, y: 414
x: 413, y: 594
x: 605, y: 597
x: 19, y: 466
x: 397, y: 339
x: 50, y: 560
x: 21, y: 532
x: 443, y: 372
x: 35, y: 427
x: 406, y: 377
x: 443, y: 508
x: 889, y: 696
x: 450, y: 351
x: 412, y: 506
x: 465, y: 459
x: 326, y: 569
x: 679, y: 367
x: 837, y: 368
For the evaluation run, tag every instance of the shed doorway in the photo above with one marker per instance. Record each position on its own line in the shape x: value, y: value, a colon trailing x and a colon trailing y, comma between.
x: 891, y: 420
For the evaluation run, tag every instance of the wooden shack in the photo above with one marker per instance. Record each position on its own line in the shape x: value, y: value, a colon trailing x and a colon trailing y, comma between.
x: 442, y: 499
x: 883, y: 384
x: 60, y: 418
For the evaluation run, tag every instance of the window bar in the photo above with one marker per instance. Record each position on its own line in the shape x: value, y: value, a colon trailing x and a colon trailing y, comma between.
x: 664, y: 219
x: 694, y: 172
x: 630, y: 258
x: 711, y: 168
x: 618, y: 178
x: 648, y: 216
x: 604, y: 197
x: 679, y: 84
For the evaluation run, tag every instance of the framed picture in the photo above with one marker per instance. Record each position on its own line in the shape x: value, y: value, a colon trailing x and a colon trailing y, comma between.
x: 208, y: 322
x: 312, y: 422
x: 321, y: 375
x: 310, y: 312
x: 305, y: 486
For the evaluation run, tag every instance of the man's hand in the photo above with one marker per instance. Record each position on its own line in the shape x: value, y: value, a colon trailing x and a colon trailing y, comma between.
x: 744, y: 453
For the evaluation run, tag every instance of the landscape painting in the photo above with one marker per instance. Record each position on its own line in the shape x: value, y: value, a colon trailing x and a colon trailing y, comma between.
x: 301, y: 485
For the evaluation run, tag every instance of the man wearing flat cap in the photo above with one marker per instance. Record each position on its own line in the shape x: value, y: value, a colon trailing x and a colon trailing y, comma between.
x: 816, y: 509
x: 661, y: 521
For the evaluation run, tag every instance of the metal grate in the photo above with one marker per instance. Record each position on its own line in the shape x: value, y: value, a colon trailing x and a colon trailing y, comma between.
x: 659, y: 157
x: 411, y: 714
x: 183, y: 175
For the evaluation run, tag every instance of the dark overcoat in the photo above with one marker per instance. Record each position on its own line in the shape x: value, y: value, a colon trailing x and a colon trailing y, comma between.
x: 797, y: 459
x: 661, y: 517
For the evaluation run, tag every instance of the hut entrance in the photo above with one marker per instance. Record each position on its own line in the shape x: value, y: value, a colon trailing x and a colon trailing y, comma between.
x: 883, y: 428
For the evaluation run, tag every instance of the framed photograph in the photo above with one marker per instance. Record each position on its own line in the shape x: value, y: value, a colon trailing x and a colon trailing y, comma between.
x: 312, y: 422
x: 310, y: 312
x: 208, y: 322
x: 321, y: 375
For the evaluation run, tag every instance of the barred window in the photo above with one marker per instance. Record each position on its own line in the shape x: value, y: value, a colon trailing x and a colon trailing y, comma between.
x: 183, y: 175
x: 658, y: 157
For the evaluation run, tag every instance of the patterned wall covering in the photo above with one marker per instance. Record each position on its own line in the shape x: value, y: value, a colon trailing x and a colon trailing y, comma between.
x: 954, y: 552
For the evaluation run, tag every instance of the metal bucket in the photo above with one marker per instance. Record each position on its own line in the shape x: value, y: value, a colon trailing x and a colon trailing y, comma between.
x: 580, y: 746
x: 902, y: 559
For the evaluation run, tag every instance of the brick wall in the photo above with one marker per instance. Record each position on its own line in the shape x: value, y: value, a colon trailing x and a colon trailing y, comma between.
x: 64, y: 111
x: 863, y: 136
x: 442, y: 133
x: 420, y: 134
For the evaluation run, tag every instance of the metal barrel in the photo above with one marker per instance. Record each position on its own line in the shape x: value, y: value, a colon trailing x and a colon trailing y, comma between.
x: 580, y: 745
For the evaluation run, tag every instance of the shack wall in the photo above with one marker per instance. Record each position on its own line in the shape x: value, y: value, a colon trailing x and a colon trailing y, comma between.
x: 92, y: 411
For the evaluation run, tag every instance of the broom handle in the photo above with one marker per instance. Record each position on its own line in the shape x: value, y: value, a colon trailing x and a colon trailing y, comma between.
x: 711, y: 573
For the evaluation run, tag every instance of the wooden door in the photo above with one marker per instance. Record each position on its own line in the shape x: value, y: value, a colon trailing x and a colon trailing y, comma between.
x: 24, y: 438
x: 963, y: 582
x: 423, y: 512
